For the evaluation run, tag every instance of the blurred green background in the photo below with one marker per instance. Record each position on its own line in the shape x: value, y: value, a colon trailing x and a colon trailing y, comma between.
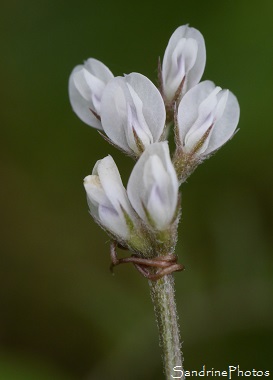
x: 62, y: 315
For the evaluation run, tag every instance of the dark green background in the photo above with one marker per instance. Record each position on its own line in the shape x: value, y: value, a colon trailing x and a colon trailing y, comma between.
x: 63, y: 316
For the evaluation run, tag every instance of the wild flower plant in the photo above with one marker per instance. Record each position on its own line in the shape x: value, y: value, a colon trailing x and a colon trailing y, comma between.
x: 135, y: 116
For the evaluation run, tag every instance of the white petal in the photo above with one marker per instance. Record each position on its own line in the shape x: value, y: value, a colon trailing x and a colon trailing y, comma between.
x: 175, y: 71
x: 159, y: 197
x: 207, y: 111
x: 114, y: 113
x: 189, y: 107
x: 183, y: 59
x: 79, y: 104
x: 95, y: 195
x: 95, y: 191
x: 112, y: 184
x: 107, y: 198
x: 207, y: 106
x: 188, y: 45
x: 98, y: 69
x: 132, y: 101
x: 136, y: 119
x: 225, y: 127
x: 86, y: 84
x: 153, y: 104
x: 113, y: 221
x: 222, y: 98
x: 153, y: 182
x: 154, y: 172
x: 158, y: 209
x: 90, y: 87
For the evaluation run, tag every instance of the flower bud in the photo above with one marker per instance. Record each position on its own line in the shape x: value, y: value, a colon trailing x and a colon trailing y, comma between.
x: 86, y: 85
x: 153, y: 187
x: 108, y: 200
x: 207, y: 118
x: 132, y: 113
x: 183, y: 62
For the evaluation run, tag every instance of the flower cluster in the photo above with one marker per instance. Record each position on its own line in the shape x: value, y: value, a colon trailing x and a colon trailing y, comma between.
x: 135, y: 116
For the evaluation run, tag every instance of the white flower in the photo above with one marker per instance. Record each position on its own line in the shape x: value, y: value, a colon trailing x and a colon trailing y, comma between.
x: 108, y: 200
x: 184, y: 60
x: 153, y: 187
x: 132, y: 113
x: 207, y: 118
x: 86, y: 85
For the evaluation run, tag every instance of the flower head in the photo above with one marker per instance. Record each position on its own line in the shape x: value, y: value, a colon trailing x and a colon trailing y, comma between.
x: 86, y: 85
x: 183, y: 62
x: 132, y: 113
x: 153, y: 187
x: 207, y: 118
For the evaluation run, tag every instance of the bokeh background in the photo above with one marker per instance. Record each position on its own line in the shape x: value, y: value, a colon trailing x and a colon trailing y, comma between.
x: 62, y: 315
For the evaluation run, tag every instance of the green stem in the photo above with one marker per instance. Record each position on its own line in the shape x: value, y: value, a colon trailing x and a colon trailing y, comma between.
x: 162, y: 293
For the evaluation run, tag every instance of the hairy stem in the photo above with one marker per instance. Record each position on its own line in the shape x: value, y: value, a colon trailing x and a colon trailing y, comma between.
x: 162, y: 293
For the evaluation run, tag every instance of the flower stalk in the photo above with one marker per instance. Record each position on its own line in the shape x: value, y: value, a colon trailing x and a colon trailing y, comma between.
x: 163, y: 297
